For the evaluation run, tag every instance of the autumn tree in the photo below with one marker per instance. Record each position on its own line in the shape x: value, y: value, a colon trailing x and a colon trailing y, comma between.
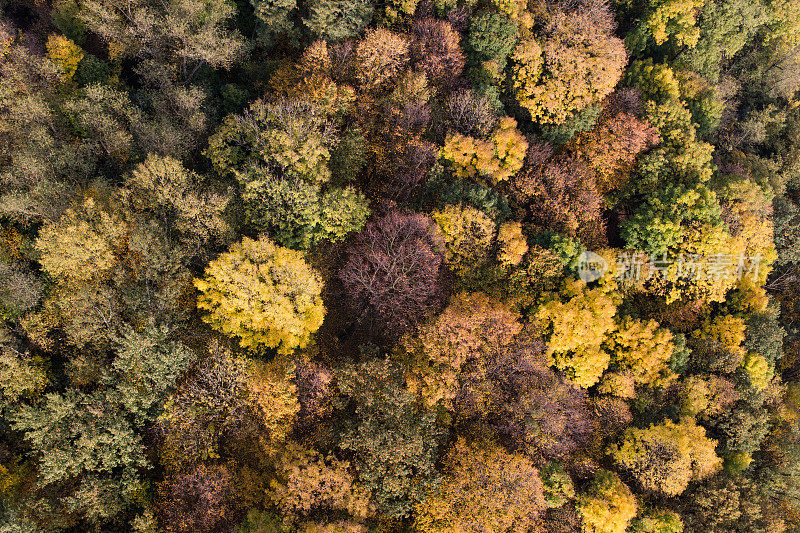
x: 65, y: 53
x: 287, y: 308
x: 498, y: 158
x: 380, y: 56
x: 196, y: 499
x: 309, y: 481
x: 485, y: 487
x: 513, y: 390
x: 393, y: 437
x: 575, y: 61
x: 717, y: 345
x: 644, y: 349
x: 576, y: 329
x: 664, y: 458
x: 206, y: 410
x: 469, y: 329
x: 607, y: 506
x: 611, y: 147
x: 80, y: 245
x: 558, y: 193
x: 272, y: 395
x: 468, y: 236
x: 392, y: 274
x: 436, y: 50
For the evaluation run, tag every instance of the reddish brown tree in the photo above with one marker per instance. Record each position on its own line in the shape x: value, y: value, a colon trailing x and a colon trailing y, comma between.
x: 618, y: 137
x: 314, y: 391
x: 195, y: 500
x: 436, y: 50
x: 529, y: 404
x: 559, y: 193
x: 392, y: 275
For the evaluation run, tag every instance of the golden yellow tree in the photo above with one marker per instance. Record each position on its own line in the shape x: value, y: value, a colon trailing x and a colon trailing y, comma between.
x: 578, y: 63
x: 664, y: 458
x: 265, y: 295
x: 576, y: 329
x: 498, y: 158
x: 607, y: 506
x: 644, y: 349
x: 468, y: 236
x: 65, y: 54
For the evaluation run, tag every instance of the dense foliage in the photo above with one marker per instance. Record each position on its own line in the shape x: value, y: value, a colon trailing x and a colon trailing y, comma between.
x: 428, y: 266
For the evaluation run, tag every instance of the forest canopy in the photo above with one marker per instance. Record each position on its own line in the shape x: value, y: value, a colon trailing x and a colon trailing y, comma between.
x: 348, y: 266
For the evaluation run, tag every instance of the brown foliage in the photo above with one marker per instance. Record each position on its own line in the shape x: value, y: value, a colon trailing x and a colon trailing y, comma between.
x: 209, y: 408
x: 527, y: 403
x: 314, y: 390
x: 559, y: 193
x: 392, y: 274
x: 195, y: 500
x: 617, y: 138
x: 436, y: 51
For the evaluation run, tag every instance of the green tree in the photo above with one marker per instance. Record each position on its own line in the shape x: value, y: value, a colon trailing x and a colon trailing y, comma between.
x: 299, y: 214
x: 393, y: 437
x: 85, y: 443
x: 655, y: 520
x: 148, y: 365
x: 657, y: 224
x: 265, y: 295
x: 339, y: 19
x: 164, y: 189
x: 185, y: 33
x: 290, y: 137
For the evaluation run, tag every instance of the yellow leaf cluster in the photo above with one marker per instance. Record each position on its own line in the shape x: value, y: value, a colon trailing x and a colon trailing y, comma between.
x: 512, y: 244
x: 265, y: 295
x: 499, y: 158
x: 575, y: 331
x: 645, y: 350
x: 65, y: 53
x: 79, y: 246
x: 468, y: 234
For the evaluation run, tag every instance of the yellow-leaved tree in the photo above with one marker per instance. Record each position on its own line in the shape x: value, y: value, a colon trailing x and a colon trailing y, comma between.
x: 498, y: 158
x: 265, y: 295
x: 644, y: 349
x: 607, y: 506
x: 575, y: 330
x: 664, y: 458
x: 574, y: 62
